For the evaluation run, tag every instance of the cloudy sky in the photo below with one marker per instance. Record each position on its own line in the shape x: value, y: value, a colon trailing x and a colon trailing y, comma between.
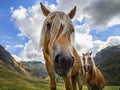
x: 97, y: 25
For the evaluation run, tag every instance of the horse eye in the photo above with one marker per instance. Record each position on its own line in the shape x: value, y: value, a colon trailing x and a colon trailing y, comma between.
x: 72, y: 30
x: 89, y: 58
x: 83, y: 58
x: 49, y: 25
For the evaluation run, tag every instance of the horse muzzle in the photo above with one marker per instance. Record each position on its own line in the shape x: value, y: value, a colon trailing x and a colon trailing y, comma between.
x: 63, y: 64
x: 86, y: 68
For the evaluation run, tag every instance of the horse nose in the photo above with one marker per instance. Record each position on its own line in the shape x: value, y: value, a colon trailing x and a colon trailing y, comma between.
x: 57, y: 59
x: 62, y: 60
x: 87, y: 68
x: 63, y: 63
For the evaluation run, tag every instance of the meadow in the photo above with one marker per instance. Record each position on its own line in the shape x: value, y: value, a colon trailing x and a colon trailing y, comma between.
x: 38, y: 84
x: 12, y: 80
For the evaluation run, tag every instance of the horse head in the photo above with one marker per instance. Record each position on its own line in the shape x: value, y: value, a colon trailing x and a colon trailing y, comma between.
x: 57, y: 36
x: 87, y: 60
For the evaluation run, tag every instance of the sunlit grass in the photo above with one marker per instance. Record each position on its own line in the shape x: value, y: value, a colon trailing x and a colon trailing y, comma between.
x: 10, y: 80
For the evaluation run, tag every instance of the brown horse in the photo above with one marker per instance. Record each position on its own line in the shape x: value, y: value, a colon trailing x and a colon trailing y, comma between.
x: 94, y: 78
x: 60, y: 56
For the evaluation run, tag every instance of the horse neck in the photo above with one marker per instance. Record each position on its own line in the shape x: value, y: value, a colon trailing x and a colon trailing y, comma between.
x: 92, y: 70
x: 45, y: 45
x: 77, y: 57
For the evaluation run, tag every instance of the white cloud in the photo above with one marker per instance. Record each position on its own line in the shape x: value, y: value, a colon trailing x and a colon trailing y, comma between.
x: 103, y: 13
x: 7, y: 47
x: 113, y: 40
x: 84, y: 41
x: 66, y: 5
x: 30, y: 52
x: 114, y: 21
x: 13, y: 48
x: 29, y: 21
x: 20, y: 14
x: 19, y: 46
x: 97, y: 46
x: 83, y: 29
x: 17, y: 58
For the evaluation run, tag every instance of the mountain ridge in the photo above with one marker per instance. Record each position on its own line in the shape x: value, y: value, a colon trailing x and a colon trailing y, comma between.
x: 108, y: 61
x: 8, y: 60
x: 35, y: 68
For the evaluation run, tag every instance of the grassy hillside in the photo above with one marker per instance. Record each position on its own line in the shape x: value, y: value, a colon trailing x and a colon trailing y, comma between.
x: 10, y: 61
x: 14, y: 77
x: 108, y: 61
x: 35, y: 68
x: 11, y: 80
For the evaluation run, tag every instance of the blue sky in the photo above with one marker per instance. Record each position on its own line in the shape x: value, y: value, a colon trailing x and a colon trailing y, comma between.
x: 103, y: 35
x: 10, y: 25
x: 8, y: 30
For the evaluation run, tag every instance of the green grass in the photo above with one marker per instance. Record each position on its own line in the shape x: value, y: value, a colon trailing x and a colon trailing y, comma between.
x: 112, y: 88
x: 11, y: 80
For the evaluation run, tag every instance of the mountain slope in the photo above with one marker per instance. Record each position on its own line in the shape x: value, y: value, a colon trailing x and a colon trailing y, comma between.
x: 35, y: 68
x: 9, y: 61
x: 14, y: 77
x: 11, y: 80
x: 108, y: 61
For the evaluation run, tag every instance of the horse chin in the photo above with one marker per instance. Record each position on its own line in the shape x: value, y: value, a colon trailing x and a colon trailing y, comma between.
x: 86, y: 68
x: 61, y: 71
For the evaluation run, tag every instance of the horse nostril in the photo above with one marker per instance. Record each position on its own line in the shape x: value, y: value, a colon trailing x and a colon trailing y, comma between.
x: 57, y: 59
x: 88, y: 67
x: 72, y: 61
x: 84, y: 67
x: 62, y: 63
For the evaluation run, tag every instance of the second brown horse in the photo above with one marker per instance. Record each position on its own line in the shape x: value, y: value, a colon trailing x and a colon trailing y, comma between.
x: 94, y: 78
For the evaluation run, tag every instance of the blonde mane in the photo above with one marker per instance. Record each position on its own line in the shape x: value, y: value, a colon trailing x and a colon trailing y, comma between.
x: 55, y: 27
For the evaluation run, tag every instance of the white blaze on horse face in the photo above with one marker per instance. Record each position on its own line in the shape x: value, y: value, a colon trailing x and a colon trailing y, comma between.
x: 86, y: 60
x: 62, y: 22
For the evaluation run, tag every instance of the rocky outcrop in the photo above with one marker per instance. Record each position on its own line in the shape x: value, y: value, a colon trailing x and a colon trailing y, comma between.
x: 9, y: 61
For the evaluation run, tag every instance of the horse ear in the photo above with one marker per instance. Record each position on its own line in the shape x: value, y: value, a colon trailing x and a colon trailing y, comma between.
x: 72, y: 12
x: 83, y: 54
x: 44, y: 9
x: 90, y: 53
